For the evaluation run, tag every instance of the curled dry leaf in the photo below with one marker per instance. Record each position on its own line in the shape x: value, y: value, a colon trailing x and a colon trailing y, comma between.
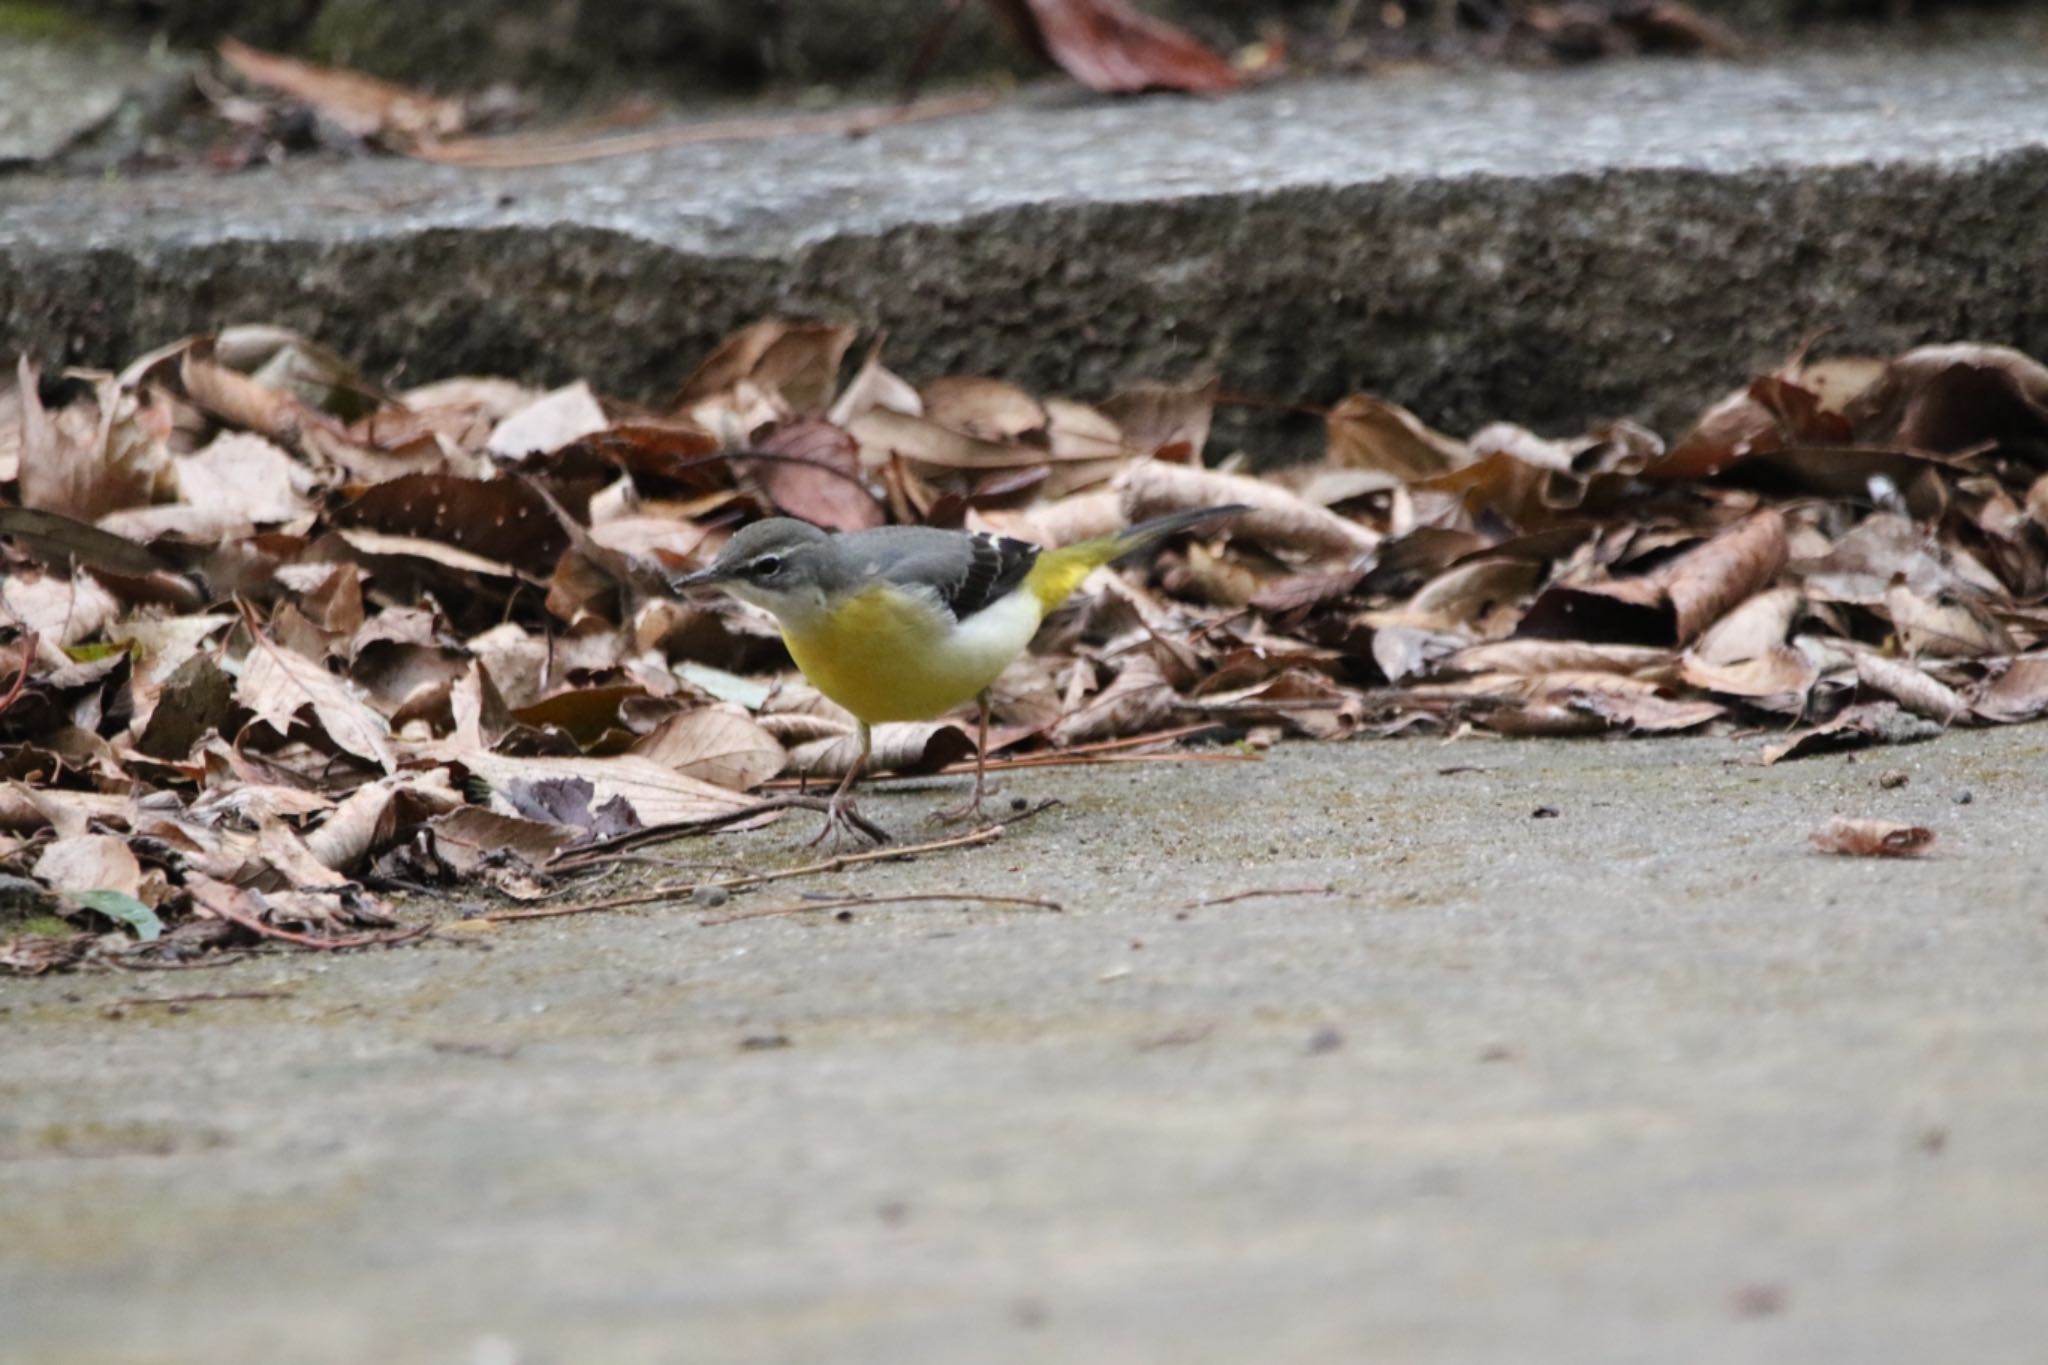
x: 1911, y: 686
x: 906, y: 747
x: 1539, y: 657
x: 1275, y: 517
x: 1753, y: 629
x: 1705, y: 583
x: 1873, y: 839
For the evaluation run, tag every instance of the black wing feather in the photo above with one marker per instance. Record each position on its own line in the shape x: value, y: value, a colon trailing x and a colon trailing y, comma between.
x: 998, y: 564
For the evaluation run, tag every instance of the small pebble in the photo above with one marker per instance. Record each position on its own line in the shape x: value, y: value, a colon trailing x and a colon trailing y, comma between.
x: 1324, y: 1040
x: 710, y: 897
x: 1892, y: 778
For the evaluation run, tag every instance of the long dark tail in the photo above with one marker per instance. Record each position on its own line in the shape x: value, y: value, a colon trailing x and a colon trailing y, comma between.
x: 1058, y: 572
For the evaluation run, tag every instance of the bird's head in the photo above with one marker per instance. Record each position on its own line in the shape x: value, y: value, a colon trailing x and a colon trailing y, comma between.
x: 781, y: 565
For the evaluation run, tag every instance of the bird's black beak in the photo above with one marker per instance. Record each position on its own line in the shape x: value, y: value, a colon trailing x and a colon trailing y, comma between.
x: 699, y: 581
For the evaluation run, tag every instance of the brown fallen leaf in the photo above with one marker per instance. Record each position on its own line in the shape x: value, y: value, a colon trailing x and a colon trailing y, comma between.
x: 817, y: 479
x: 1780, y: 673
x: 364, y: 106
x: 1671, y: 604
x: 1956, y: 397
x: 277, y: 684
x: 502, y: 520
x: 907, y: 747
x: 2017, y: 692
x: 89, y: 862
x: 1156, y: 419
x: 1274, y: 516
x: 246, y: 477
x: 794, y: 364
x: 1112, y: 48
x: 1139, y: 698
x: 721, y: 744
x: 1955, y: 629
x: 1859, y: 726
x: 1539, y: 657
x: 1753, y: 629
x: 987, y: 409
x: 550, y: 422
x: 1705, y: 583
x: 1364, y: 432
x: 93, y: 457
x: 1911, y: 686
x: 649, y: 792
x: 1873, y: 838
x: 470, y: 839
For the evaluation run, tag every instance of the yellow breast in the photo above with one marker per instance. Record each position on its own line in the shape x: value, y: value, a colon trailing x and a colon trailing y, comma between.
x: 884, y: 654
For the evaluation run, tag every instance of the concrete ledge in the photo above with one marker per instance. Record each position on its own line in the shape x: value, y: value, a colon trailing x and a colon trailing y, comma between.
x: 1546, y: 247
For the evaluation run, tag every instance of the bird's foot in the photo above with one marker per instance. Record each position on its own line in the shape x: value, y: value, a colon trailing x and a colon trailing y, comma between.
x: 970, y: 809
x: 842, y: 818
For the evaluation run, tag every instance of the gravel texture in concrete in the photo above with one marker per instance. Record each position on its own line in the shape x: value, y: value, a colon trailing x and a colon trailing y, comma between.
x: 1550, y: 248
x: 1639, y: 1078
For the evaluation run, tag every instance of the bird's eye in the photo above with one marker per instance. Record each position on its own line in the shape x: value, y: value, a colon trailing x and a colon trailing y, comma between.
x: 767, y: 566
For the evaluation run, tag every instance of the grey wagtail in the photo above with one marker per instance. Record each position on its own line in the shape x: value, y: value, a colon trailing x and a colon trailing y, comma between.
x: 908, y: 622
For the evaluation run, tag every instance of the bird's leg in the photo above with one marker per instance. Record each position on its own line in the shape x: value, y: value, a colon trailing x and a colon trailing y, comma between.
x: 971, y: 808
x: 840, y: 813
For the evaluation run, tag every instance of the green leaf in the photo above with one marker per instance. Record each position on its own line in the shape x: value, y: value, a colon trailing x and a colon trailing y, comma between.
x: 723, y: 685
x: 124, y: 908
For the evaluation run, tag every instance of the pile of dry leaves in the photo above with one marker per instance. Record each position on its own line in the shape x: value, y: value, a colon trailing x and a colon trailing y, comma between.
x: 273, y: 641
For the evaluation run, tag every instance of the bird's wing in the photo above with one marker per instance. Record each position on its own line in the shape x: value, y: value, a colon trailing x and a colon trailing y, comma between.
x: 964, y: 571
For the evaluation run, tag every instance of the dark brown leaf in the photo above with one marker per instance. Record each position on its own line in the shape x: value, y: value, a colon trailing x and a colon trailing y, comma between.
x: 818, y: 479
x: 1111, y: 47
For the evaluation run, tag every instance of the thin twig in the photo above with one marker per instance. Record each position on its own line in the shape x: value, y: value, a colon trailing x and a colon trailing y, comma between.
x: 675, y: 890
x: 29, y: 643
x: 675, y: 829
x: 271, y: 931
x: 1259, y: 892
x: 836, y: 863
x: 523, y: 150
x: 195, y: 997
x: 145, y: 964
x: 850, y: 902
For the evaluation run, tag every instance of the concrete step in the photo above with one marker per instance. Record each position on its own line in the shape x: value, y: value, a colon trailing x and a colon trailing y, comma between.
x: 1547, y: 247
